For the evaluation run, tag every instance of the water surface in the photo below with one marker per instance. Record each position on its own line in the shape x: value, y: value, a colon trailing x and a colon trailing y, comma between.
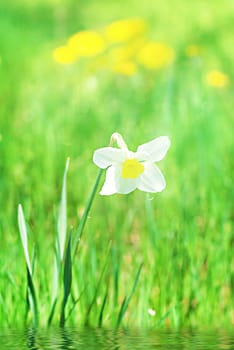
x: 89, y: 339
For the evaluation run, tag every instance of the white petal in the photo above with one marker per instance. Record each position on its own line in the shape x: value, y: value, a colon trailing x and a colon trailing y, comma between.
x: 104, y: 157
x: 124, y: 186
x: 155, y: 149
x: 109, y: 186
x: 151, y: 180
x: 114, y: 182
x: 141, y: 156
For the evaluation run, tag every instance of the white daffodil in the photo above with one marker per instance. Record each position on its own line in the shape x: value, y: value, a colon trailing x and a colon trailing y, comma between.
x: 127, y: 170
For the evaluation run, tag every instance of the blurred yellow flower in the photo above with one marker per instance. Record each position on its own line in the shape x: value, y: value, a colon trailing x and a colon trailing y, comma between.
x: 87, y: 43
x: 154, y: 55
x: 217, y: 79
x: 118, y: 54
x: 193, y: 50
x: 128, y: 68
x: 64, y: 55
x: 126, y: 51
x: 124, y: 30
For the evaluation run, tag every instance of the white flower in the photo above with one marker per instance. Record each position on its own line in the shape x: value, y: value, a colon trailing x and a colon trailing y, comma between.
x: 128, y: 170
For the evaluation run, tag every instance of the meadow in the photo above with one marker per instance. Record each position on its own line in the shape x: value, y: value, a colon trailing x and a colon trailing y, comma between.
x: 161, y: 260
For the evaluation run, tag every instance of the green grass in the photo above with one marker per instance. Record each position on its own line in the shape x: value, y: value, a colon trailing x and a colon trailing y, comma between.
x: 184, y: 235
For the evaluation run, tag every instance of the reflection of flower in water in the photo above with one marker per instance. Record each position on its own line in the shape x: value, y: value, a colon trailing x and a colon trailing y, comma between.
x: 217, y: 79
x: 64, y: 55
x: 154, y: 55
x: 124, y: 30
x: 193, y: 50
x: 86, y: 43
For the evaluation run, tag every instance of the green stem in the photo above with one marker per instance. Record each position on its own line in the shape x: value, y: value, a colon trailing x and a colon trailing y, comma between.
x: 82, y: 223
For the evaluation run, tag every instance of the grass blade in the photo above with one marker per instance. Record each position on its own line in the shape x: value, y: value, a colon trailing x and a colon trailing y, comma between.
x: 102, y: 308
x: 24, y: 236
x: 75, y: 303
x: 55, y: 288
x: 67, y: 281
x: 60, y: 243
x: 62, y: 216
x: 31, y: 300
x: 116, y: 276
x: 122, y: 311
x: 127, y: 300
x: 97, y: 288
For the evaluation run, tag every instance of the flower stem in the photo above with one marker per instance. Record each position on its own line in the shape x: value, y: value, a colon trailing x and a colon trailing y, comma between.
x: 82, y: 223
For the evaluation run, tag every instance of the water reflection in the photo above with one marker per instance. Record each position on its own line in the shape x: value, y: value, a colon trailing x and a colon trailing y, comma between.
x: 31, y: 337
x: 100, y: 339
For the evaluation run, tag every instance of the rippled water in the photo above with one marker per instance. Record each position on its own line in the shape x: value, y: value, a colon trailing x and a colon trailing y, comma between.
x: 114, y: 340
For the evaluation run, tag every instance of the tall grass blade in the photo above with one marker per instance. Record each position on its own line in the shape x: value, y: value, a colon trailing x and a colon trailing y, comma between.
x: 27, y: 305
x: 100, y: 319
x: 67, y: 281
x: 24, y: 236
x: 81, y: 226
x: 55, y: 287
x: 28, y: 299
x: 122, y: 310
x: 116, y: 276
x: 62, y: 216
x: 60, y: 243
x: 31, y: 299
x: 97, y: 288
x: 127, y: 300
x: 51, y: 315
x: 75, y: 301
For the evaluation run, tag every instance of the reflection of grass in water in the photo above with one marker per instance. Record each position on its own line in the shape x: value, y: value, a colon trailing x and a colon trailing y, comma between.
x: 69, y: 338
x: 50, y: 112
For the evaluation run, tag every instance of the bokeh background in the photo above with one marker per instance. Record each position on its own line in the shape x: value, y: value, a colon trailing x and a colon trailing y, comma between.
x: 54, y: 105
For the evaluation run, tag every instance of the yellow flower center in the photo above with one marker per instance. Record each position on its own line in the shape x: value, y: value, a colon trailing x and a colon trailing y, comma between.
x: 131, y: 169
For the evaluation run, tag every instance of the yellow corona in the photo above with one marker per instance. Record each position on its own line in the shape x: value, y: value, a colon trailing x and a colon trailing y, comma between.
x: 131, y: 169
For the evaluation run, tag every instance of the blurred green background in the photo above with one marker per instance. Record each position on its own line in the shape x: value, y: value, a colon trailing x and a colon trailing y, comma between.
x: 50, y: 111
